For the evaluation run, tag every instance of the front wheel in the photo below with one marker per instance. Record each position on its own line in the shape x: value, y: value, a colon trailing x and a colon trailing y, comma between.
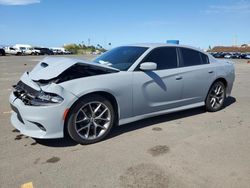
x: 91, y: 119
x: 216, y: 97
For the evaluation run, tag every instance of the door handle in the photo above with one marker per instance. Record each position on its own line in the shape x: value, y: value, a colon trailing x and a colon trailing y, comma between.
x: 210, y: 72
x: 178, y: 77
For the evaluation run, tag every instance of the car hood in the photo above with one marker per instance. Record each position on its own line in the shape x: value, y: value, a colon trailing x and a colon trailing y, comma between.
x: 51, y: 67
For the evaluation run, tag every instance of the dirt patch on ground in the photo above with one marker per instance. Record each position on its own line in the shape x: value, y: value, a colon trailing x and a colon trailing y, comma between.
x: 53, y: 160
x: 158, y: 150
x: 19, y: 137
x: 157, y: 129
x: 144, y: 175
x: 33, y: 143
x: 15, y: 131
x: 37, y: 161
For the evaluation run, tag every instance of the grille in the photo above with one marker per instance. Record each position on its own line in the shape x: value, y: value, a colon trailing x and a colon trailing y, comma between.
x: 24, y: 92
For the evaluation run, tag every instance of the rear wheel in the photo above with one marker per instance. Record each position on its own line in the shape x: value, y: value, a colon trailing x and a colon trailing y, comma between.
x: 216, y: 97
x: 91, y: 119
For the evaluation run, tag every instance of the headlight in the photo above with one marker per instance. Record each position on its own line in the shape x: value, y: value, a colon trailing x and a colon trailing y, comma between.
x: 43, y: 99
x: 30, y: 96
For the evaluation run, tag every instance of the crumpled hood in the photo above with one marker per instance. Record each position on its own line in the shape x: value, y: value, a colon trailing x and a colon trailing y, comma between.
x: 51, y: 67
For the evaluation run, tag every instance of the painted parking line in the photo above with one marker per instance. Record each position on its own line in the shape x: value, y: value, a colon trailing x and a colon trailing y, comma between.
x: 27, y: 185
x: 7, y: 112
x: 35, y: 59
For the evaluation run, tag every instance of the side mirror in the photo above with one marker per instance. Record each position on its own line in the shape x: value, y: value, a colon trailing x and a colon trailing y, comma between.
x: 148, y: 66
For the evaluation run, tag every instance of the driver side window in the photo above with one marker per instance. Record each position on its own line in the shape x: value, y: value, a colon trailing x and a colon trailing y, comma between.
x: 164, y: 57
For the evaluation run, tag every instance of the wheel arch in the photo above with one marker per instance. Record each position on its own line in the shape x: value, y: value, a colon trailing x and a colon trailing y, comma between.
x: 104, y: 94
x: 219, y: 79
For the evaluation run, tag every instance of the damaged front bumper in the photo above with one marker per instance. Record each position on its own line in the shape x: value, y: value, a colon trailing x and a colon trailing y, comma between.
x: 40, y: 121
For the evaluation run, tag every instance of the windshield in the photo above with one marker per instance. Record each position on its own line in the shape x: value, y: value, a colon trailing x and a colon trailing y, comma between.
x: 122, y: 57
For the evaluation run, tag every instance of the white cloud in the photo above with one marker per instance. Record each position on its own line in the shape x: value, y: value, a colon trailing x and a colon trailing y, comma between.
x: 18, y: 2
x: 239, y: 7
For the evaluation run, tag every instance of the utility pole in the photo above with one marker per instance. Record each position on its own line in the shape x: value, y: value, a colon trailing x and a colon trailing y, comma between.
x: 88, y: 41
x: 235, y: 42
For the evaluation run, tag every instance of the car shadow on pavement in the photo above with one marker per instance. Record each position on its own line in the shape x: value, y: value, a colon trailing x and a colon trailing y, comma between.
x: 116, y: 131
x: 230, y: 100
x: 59, y: 142
x: 162, y: 118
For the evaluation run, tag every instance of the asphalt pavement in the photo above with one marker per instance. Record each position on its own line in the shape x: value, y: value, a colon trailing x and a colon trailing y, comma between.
x: 192, y: 148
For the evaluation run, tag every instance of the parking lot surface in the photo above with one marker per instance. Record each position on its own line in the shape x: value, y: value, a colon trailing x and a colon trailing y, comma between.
x: 192, y: 148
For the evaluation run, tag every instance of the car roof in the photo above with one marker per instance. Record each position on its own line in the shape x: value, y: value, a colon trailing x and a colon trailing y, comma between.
x: 155, y: 45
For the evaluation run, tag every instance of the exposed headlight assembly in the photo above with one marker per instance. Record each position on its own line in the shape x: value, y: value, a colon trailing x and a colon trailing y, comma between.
x: 32, y: 97
x: 43, y: 99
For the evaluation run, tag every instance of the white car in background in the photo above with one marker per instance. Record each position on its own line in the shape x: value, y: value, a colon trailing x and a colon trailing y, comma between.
x: 27, y: 49
x: 247, y: 56
x: 35, y: 51
x: 30, y: 51
x: 12, y: 51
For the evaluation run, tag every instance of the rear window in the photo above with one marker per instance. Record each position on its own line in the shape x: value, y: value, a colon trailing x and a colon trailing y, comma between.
x: 192, y: 57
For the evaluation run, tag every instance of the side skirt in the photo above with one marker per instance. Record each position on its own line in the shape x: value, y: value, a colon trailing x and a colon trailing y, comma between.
x: 144, y: 116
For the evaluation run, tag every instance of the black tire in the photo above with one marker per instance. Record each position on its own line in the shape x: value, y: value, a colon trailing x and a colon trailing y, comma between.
x: 215, y: 102
x: 2, y: 52
x: 74, y: 113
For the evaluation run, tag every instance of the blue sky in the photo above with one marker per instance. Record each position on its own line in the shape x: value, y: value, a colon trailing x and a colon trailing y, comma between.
x: 57, y: 22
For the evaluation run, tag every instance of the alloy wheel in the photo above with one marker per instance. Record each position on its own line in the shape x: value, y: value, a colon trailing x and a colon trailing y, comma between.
x: 92, y: 120
x: 217, y: 96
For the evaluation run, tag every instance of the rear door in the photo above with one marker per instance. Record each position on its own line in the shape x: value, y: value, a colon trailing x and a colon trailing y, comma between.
x: 160, y: 89
x: 197, y: 73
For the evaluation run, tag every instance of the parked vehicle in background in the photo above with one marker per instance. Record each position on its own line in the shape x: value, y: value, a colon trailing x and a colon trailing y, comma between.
x: 66, y: 52
x: 247, y: 56
x: 236, y: 55
x: 232, y: 55
x: 57, y: 52
x: 27, y: 49
x: 44, y: 51
x: 125, y: 84
x: 228, y: 56
x: 35, y: 51
x: 12, y: 51
x: 243, y: 55
x: 60, y: 51
x: 2, y: 52
x: 219, y: 55
x: 212, y: 53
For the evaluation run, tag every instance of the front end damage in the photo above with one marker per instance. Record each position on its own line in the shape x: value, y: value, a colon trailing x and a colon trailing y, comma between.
x: 35, y: 115
x: 38, y: 100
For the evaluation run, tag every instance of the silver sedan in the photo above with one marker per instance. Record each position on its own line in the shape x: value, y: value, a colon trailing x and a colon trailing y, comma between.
x: 125, y: 84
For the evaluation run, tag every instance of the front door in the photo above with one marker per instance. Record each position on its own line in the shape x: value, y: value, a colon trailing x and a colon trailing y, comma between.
x: 160, y: 89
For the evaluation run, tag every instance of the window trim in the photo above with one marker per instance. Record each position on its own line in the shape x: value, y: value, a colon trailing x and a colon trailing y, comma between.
x: 208, y: 62
x: 151, y: 51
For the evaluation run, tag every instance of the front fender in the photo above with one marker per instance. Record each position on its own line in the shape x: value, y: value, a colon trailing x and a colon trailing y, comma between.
x: 118, y: 85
